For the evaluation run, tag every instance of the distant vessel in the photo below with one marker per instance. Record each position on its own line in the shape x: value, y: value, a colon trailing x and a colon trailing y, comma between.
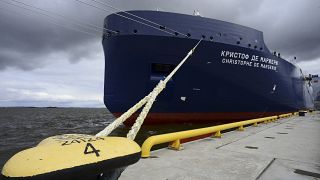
x: 232, y: 76
x: 316, y: 91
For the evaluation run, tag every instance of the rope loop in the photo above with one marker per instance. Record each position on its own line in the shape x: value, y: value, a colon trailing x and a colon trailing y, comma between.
x: 147, y: 102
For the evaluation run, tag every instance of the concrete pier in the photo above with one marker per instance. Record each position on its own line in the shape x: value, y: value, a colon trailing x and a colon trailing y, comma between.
x: 286, y: 149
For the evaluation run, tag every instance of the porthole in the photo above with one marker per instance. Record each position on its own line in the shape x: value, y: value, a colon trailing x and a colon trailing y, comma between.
x: 203, y: 36
x: 162, y: 27
x: 189, y: 35
x: 176, y: 33
x: 261, y: 49
x: 135, y: 31
x: 249, y: 45
x: 240, y: 38
x: 238, y: 42
x: 211, y: 38
x: 108, y: 34
x: 255, y: 47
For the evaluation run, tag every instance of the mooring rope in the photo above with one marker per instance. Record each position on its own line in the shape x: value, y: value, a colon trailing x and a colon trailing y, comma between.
x: 147, y: 101
x: 136, y: 16
x: 123, y: 16
x: 57, y: 16
x: 116, y: 123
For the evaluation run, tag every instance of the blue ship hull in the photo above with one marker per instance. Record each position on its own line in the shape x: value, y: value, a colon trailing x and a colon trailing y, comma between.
x: 231, y: 76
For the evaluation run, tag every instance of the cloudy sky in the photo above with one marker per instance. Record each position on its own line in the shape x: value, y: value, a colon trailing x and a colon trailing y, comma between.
x: 49, y: 62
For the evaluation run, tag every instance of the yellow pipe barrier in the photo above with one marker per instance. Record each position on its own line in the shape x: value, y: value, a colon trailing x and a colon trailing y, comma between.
x: 285, y: 115
x: 174, y: 138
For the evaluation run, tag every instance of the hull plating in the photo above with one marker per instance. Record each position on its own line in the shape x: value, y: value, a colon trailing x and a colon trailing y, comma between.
x: 220, y: 81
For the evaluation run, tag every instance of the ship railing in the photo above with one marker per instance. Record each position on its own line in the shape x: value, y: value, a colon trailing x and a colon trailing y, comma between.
x: 174, y: 139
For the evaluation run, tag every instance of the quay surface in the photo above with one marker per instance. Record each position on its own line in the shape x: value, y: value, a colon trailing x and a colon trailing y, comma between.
x: 286, y: 149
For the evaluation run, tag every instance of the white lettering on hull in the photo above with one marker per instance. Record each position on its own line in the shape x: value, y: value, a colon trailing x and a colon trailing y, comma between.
x: 243, y: 59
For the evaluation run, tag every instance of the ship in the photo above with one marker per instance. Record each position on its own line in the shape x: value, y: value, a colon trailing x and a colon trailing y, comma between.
x: 232, y: 75
x: 316, y: 91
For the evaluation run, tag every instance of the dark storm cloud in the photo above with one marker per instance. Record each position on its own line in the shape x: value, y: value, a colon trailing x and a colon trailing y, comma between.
x: 28, y: 40
x: 290, y: 26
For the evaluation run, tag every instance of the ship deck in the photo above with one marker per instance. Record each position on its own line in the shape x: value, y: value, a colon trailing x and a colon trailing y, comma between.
x: 285, y: 149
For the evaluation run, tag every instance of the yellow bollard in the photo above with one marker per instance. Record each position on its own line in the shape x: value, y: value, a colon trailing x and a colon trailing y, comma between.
x: 241, y: 128
x: 176, y: 145
x: 217, y: 134
x: 59, y: 157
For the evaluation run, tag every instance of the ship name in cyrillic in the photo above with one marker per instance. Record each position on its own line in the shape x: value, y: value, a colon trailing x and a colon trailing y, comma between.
x: 243, y: 59
x: 234, y: 55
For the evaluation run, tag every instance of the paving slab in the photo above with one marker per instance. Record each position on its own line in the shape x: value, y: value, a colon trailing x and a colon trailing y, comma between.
x: 269, y: 151
x: 292, y: 170
x: 297, y: 139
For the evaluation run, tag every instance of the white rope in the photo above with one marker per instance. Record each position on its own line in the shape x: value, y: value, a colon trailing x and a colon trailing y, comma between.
x: 22, y: 13
x: 157, y: 90
x: 139, y: 17
x: 139, y: 121
x: 116, y: 123
x: 63, y: 17
x: 103, y: 9
x: 148, y: 100
x: 53, y: 17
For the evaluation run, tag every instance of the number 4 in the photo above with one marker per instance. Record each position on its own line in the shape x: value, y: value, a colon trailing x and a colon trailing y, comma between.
x: 93, y: 150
